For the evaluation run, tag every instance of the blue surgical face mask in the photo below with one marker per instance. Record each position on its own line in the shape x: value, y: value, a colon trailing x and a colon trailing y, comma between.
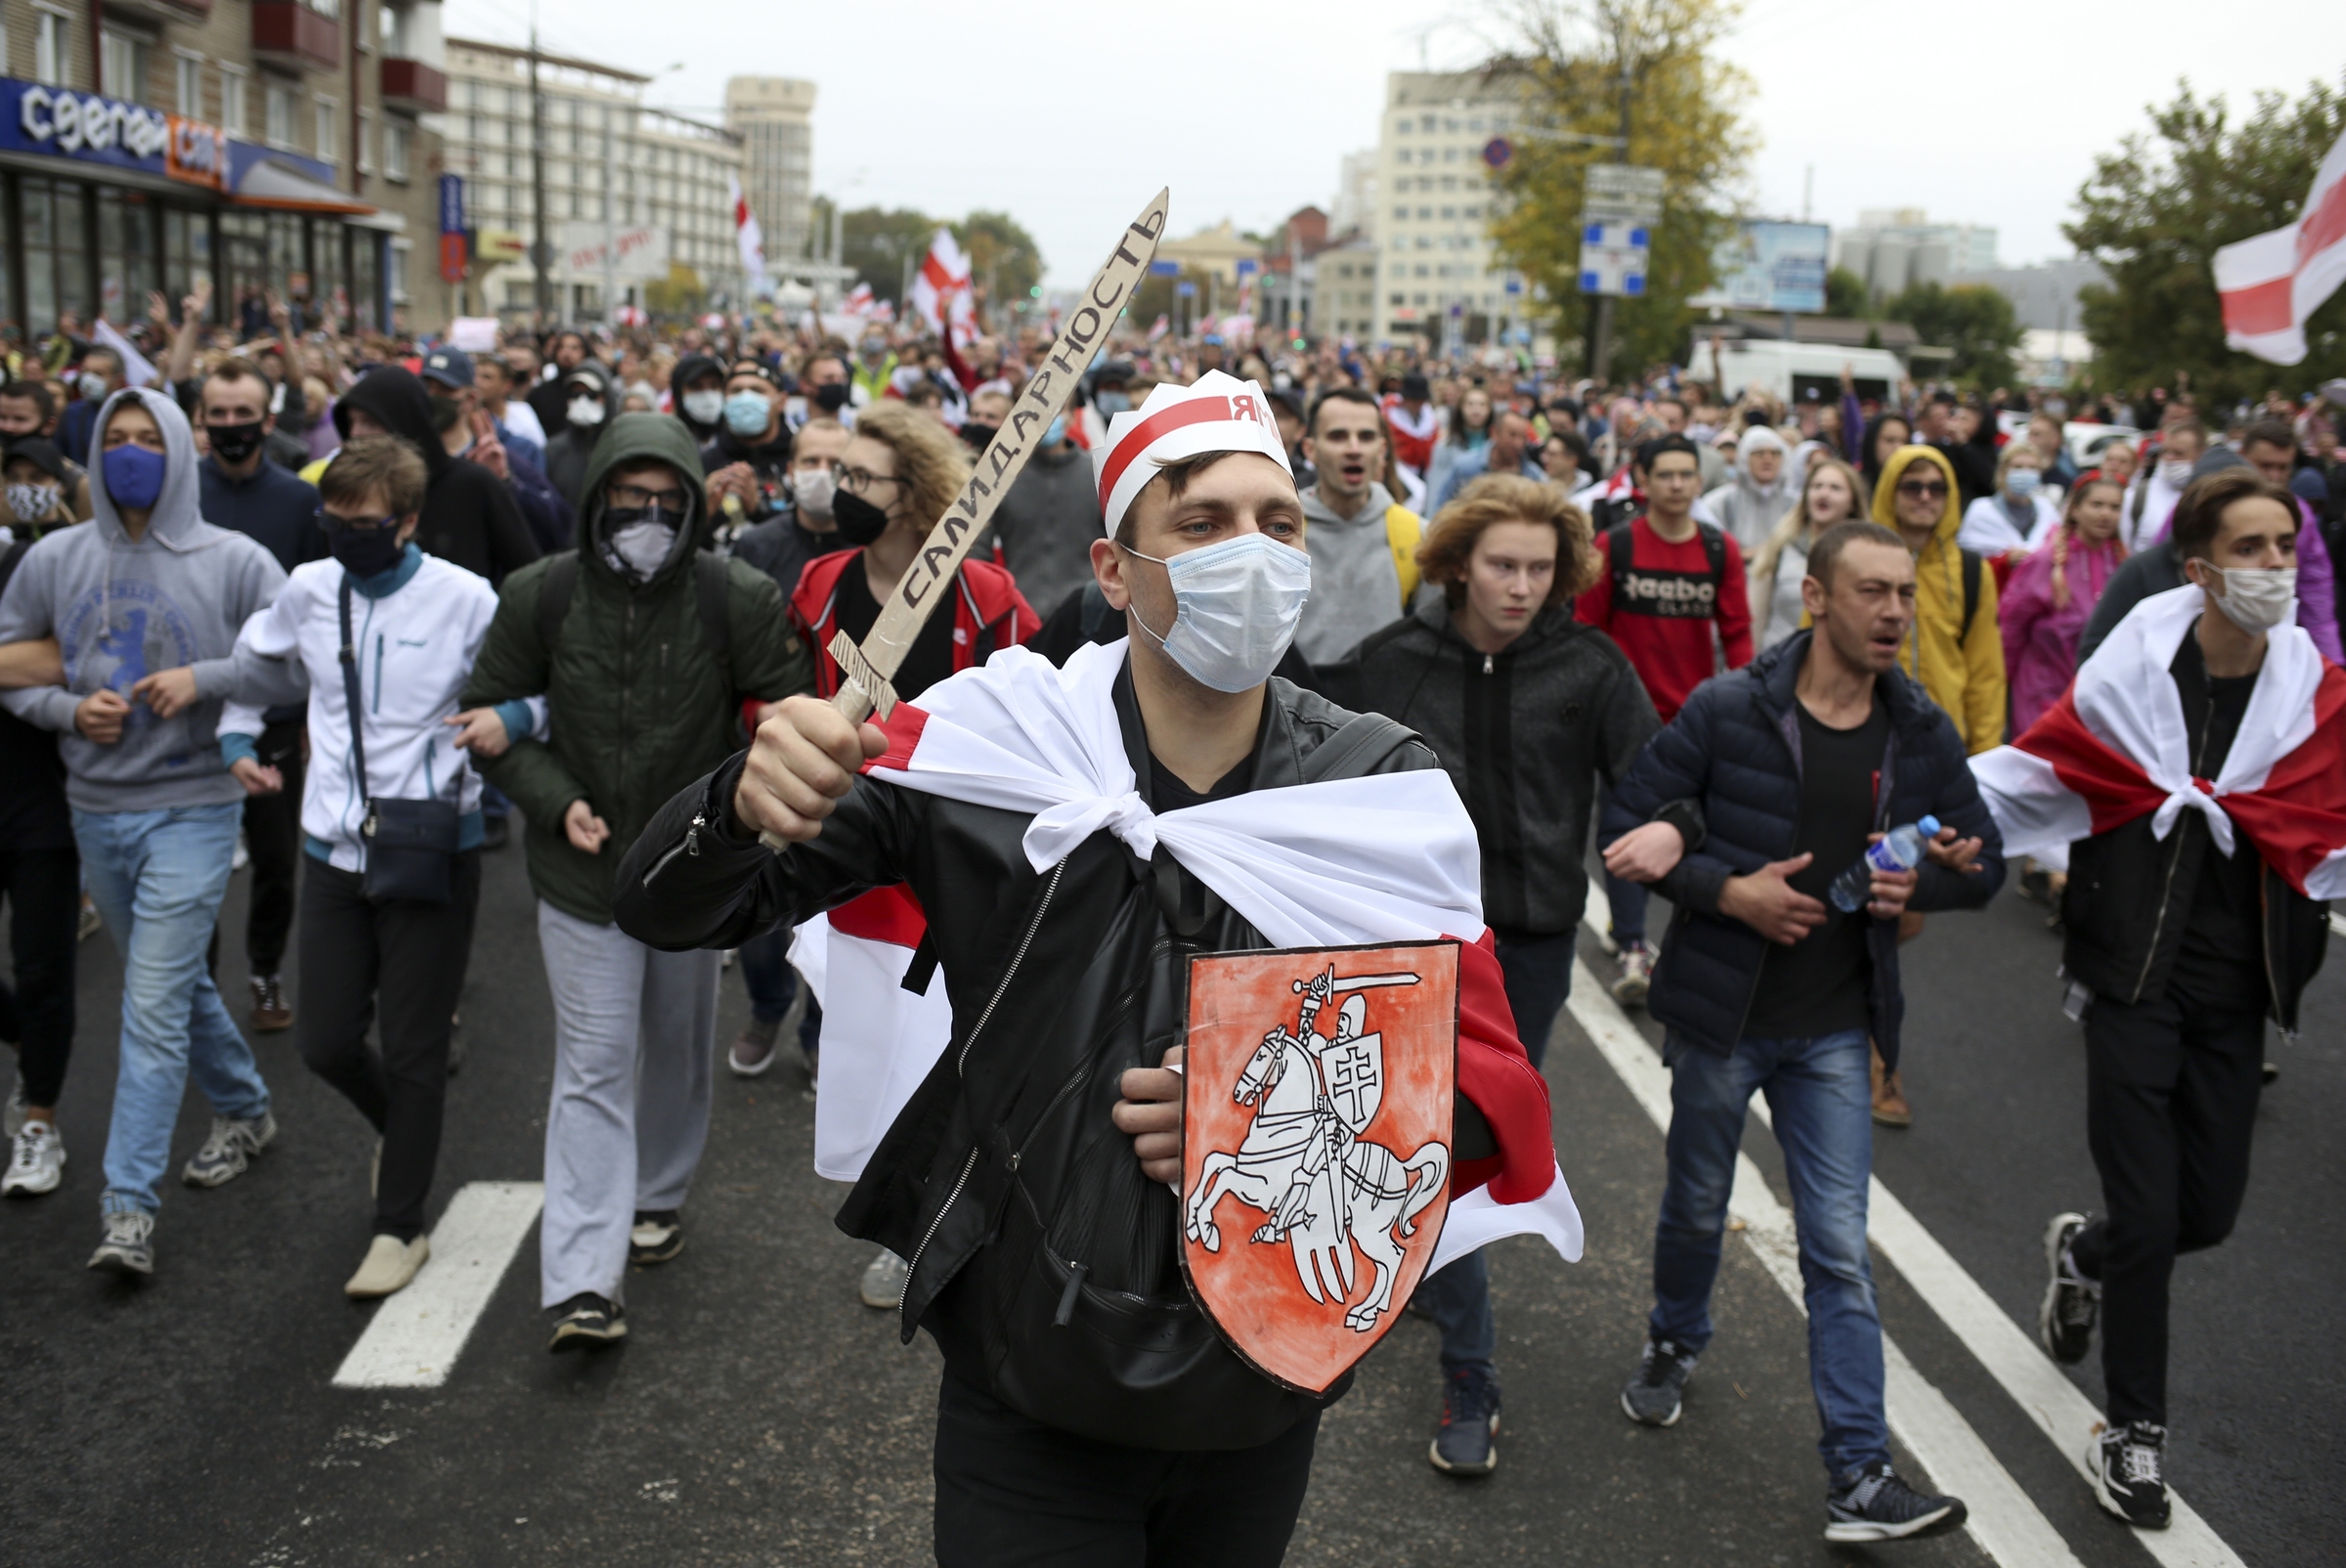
x: 1235, y: 607
x: 134, y: 476
x: 1112, y: 403
x: 747, y: 414
x: 2022, y: 483
x: 1057, y: 432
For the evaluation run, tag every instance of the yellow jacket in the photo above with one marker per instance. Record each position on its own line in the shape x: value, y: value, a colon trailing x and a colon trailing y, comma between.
x: 1962, y: 672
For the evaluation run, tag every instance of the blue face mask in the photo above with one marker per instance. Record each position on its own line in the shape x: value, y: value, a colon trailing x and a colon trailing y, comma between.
x: 134, y: 476
x: 1057, y: 433
x: 747, y: 414
x: 1112, y: 403
x: 2022, y: 483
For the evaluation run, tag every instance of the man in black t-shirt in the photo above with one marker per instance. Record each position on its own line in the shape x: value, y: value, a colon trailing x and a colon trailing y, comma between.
x: 1800, y: 760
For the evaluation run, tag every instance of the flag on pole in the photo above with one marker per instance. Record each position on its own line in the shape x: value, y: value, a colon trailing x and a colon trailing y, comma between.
x: 2270, y: 283
x: 750, y: 238
x: 1160, y: 328
x: 858, y: 301
x: 943, y: 285
x: 136, y: 369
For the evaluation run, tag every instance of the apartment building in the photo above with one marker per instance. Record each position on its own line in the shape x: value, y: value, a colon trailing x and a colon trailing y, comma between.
x: 1431, y: 203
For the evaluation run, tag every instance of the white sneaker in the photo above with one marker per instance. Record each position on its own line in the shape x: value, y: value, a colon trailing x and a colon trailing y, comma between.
x: 243, y: 857
x: 228, y: 1150
x: 39, y: 1163
x: 389, y: 1265
x: 883, y: 1283
x: 1637, y: 974
x: 129, y: 1244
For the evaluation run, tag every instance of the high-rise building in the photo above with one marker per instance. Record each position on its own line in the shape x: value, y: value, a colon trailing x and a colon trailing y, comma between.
x: 773, y: 118
x: 1433, y: 195
x: 1893, y: 247
x: 1356, y: 193
x: 661, y: 171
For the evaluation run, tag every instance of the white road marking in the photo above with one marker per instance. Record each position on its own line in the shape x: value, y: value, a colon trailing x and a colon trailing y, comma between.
x: 2008, y: 1525
x: 417, y: 1335
x: 2337, y: 923
x: 2009, y: 1352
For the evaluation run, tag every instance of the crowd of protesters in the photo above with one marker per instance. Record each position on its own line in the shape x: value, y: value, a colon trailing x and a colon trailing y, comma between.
x: 339, y: 604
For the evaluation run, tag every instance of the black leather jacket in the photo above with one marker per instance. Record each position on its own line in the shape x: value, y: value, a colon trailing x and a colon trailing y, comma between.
x: 1044, y: 1263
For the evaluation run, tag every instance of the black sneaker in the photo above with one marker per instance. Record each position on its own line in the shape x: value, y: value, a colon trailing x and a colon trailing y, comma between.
x: 1877, y: 1505
x: 655, y: 1238
x: 1654, y: 1394
x: 1462, y: 1445
x: 2065, y: 1318
x: 2129, y: 1464
x: 588, y: 1321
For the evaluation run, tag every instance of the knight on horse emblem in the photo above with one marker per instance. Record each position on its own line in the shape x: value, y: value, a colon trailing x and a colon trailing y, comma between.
x: 1341, y: 1149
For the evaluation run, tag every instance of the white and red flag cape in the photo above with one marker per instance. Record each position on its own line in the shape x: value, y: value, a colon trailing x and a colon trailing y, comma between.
x: 748, y: 237
x: 2114, y: 748
x: 2271, y: 283
x: 942, y: 286
x: 1391, y: 858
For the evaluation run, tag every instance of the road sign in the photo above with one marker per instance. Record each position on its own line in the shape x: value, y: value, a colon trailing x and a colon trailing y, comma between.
x: 1622, y: 191
x: 1613, y: 258
x: 1186, y: 290
x: 1161, y: 268
x: 1497, y: 151
x: 455, y: 248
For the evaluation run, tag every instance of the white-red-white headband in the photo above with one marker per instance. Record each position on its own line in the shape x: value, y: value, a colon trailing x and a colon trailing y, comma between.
x: 1219, y: 414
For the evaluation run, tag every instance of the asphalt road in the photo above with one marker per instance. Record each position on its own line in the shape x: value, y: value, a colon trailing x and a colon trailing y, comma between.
x: 760, y: 1415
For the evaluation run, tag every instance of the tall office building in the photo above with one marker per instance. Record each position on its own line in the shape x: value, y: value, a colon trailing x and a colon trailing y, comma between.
x: 660, y: 170
x: 772, y: 116
x: 1432, y: 200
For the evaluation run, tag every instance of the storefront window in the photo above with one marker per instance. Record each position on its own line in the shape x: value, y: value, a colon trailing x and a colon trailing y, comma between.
x: 126, y: 254
x: 56, y: 271
x: 186, y: 256
x: 244, y: 265
x: 8, y: 280
x: 365, y: 279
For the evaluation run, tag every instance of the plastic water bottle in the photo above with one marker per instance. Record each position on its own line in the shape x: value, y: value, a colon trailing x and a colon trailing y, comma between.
x: 1898, y: 850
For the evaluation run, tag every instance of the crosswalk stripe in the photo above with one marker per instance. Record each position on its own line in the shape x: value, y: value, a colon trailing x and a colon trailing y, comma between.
x: 2020, y: 1367
x: 417, y: 1335
x: 2008, y: 1525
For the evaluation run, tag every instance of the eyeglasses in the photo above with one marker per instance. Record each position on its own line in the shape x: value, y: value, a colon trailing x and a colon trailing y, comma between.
x: 635, y: 497
x: 1925, y: 488
x: 855, y: 481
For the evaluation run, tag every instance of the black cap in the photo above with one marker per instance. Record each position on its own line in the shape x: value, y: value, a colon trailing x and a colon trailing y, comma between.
x: 1413, y: 387
x: 763, y: 371
x: 449, y: 367
x: 38, y: 450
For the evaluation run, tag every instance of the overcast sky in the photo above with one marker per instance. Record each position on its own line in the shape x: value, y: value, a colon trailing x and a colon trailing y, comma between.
x: 1068, y: 114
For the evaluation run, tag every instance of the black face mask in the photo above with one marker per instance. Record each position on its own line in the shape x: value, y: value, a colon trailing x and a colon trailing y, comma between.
x: 832, y: 398
x: 446, y: 411
x: 234, y: 443
x: 978, y: 436
x: 364, y: 551
x: 859, y: 521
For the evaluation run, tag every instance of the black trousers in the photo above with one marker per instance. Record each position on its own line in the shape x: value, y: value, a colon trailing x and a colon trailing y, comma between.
x: 2170, y: 1103
x: 1011, y: 1492
x: 43, y: 888
x: 406, y: 961
x: 273, y: 838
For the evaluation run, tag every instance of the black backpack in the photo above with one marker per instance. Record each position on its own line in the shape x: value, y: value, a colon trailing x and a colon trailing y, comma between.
x: 1621, y: 543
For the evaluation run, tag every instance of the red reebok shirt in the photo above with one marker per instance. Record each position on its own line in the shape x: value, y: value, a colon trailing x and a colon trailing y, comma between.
x: 1663, y: 618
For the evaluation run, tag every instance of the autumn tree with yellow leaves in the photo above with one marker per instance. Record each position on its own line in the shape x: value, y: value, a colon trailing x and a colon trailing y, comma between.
x: 1584, y: 65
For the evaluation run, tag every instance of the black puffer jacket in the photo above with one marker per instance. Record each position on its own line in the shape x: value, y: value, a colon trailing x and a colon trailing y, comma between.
x: 1003, y: 1180
x: 1524, y: 733
x: 1735, y: 748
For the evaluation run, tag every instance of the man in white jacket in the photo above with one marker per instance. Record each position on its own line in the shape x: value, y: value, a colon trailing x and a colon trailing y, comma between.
x: 413, y: 624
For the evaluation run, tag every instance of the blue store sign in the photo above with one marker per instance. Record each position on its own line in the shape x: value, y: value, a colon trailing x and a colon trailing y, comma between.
x: 35, y: 117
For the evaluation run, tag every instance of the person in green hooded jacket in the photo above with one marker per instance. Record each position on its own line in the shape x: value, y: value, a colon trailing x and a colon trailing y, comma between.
x: 646, y: 646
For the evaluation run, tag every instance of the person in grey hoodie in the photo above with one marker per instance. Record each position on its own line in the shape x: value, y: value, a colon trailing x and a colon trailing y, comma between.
x: 1359, y: 583
x: 1750, y: 503
x: 146, y: 600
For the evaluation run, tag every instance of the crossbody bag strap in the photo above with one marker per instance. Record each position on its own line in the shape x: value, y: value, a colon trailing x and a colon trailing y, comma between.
x: 349, y: 690
x: 1359, y: 744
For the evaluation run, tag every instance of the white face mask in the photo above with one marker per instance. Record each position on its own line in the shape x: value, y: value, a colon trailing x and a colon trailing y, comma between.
x: 1236, y: 605
x: 2176, y: 471
x: 811, y: 489
x: 585, y: 410
x: 643, y: 547
x: 2255, y: 598
x: 706, y: 405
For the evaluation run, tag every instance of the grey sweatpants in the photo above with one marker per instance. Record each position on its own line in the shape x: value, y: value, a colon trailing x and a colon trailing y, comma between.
x: 634, y: 1061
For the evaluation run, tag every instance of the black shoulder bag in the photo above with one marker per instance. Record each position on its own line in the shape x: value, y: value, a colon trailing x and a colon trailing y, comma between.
x: 409, y: 842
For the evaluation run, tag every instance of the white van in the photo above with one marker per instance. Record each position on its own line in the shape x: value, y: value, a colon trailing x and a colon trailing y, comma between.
x: 1794, y: 372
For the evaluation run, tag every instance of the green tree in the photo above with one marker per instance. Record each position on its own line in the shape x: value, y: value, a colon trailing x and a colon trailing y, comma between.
x: 1973, y: 319
x: 678, y: 296
x: 875, y: 242
x: 1574, y: 60
x: 1003, y: 257
x: 2155, y: 213
x: 1846, y: 296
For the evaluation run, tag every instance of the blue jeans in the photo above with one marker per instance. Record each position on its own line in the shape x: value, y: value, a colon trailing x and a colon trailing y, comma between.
x: 772, y: 985
x: 1627, y: 898
x: 1822, y: 1100
x: 158, y: 878
x: 1539, y: 979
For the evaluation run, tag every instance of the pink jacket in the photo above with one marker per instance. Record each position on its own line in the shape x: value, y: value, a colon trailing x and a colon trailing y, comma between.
x: 2040, y: 638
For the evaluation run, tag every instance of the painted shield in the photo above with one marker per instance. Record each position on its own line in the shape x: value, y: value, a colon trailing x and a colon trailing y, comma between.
x: 1318, y: 1091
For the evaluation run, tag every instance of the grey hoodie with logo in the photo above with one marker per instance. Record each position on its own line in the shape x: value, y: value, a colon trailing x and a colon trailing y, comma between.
x: 1356, y: 589
x: 122, y: 610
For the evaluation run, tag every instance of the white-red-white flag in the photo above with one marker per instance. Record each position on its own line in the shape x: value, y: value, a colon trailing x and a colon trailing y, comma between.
x: 942, y: 285
x: 2114, y: 748
x: 749, y: 239
x: 858, y: 301
x: 1160, y: 328
x: 2270, y: 283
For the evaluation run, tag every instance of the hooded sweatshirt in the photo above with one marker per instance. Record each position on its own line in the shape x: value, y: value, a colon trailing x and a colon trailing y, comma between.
x: 1747, y: 508
x: 122, y: 610
x: 690, y: 368
x: 1963, y: 673
x: 470, y: 518
x: 1356, y: 587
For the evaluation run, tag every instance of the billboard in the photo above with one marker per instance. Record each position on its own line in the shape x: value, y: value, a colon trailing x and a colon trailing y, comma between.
x: 639, y: 253
x: 1770, y: 266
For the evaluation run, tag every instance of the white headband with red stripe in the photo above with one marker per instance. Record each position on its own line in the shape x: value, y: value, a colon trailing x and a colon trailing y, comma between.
x: 1220, y: 414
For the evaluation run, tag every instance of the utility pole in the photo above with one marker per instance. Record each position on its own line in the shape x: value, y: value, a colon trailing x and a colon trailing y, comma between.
x: 541, y: 253
x: 610, y: 222
x: 1602, y: 349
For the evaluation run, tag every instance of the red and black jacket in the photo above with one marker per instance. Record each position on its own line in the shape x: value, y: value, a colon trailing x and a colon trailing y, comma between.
x: 988, y: 613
